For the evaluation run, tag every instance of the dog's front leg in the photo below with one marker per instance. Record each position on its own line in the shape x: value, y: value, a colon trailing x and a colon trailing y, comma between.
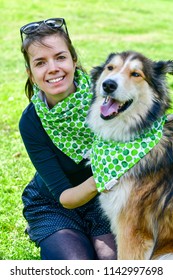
x: 133, y: 242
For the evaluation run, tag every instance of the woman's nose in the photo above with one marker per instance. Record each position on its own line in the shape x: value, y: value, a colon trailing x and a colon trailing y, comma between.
x: 53, y: 66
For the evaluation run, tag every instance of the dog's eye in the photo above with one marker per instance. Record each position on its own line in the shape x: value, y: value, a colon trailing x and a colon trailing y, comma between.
x: 110, y: 67
x: 135, y: 74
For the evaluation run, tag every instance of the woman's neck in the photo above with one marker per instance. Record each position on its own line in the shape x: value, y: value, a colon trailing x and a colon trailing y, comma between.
x: 52, y: 100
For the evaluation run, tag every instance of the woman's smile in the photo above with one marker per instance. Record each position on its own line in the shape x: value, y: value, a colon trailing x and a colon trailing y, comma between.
x: 55, y: 80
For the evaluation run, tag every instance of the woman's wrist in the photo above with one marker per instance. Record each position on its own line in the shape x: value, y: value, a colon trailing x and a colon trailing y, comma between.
x: 91, y: 185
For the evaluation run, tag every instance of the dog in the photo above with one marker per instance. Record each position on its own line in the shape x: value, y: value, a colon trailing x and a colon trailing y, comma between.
x: 130, y: 95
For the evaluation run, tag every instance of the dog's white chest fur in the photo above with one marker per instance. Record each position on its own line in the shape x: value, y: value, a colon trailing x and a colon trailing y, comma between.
x: 115, y: 200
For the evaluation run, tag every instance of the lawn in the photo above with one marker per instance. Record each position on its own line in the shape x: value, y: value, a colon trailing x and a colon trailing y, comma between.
x: 97, y: 28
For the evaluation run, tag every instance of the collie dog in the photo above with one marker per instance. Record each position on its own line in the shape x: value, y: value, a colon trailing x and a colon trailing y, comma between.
x: 130, y: 98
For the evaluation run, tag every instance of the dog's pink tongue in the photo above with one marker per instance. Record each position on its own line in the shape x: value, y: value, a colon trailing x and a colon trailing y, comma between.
x: 109, y: 108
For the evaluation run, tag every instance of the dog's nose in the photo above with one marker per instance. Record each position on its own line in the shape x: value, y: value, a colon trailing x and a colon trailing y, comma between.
x: 109, y: 86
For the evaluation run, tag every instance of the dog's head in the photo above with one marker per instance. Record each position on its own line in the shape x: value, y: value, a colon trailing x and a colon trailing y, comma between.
x: 130, y: 92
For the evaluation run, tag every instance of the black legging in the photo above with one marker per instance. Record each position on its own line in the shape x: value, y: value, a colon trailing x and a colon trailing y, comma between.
x: 68, y: 244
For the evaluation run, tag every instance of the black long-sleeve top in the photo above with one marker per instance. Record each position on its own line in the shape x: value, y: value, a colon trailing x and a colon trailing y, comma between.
x: 57, y: 172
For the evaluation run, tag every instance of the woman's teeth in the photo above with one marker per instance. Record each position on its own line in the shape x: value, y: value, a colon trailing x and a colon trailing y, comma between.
x: 56, y: 80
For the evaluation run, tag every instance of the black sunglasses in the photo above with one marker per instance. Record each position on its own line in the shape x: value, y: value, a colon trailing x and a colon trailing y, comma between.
x: 52, y: 23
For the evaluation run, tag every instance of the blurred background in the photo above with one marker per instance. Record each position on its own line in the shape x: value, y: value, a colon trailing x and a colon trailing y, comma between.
x: 96, y: 28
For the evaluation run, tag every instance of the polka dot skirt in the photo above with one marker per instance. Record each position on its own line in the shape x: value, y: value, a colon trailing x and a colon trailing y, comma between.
x: 45, y: 216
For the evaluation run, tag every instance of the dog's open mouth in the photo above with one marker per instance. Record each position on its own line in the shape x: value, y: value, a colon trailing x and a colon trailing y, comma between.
x: 111, y: 108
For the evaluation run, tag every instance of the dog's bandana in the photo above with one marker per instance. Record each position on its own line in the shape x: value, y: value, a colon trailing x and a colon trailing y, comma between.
x: 65, y: 123
x: 110, y: 160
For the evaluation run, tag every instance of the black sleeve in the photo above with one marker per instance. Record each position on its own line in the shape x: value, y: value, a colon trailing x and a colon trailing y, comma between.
x: 43, y: 157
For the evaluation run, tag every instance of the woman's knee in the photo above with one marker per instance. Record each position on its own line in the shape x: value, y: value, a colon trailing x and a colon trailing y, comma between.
x: 67, y: 244
x: 105, y: 247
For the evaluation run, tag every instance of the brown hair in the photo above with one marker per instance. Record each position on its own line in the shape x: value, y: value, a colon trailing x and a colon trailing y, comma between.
x: 38, y: 36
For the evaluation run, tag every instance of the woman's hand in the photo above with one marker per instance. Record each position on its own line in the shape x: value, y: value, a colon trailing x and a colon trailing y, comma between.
x: 79, y: 195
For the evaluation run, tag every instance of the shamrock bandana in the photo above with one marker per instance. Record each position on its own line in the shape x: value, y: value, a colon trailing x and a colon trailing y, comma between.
x: 110, y: 160
x: 65, y: 123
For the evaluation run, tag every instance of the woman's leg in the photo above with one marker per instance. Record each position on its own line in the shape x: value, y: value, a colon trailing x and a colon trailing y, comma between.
x: 67, y: 244
x: 105, y: 247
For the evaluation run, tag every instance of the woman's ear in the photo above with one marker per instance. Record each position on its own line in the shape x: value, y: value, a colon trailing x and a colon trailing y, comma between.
x: 28, y: 71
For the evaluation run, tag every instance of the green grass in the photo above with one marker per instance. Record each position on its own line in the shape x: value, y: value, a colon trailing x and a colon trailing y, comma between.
x: 96, y: 28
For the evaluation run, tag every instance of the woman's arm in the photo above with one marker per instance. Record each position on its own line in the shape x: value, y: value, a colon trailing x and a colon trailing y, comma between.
x: 48, y: 162
x: 79, y: 195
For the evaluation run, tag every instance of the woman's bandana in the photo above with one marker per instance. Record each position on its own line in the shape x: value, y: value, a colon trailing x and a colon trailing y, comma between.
x: 65, y: 123
x: 110, y: 160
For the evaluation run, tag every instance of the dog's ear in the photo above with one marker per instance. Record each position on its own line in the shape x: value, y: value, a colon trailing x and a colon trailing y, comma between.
x: 96, y: 72
x: 164, y: 67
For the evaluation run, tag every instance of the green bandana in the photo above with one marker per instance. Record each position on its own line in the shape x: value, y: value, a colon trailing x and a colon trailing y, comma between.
x: 65, y: 123
x: 110, y: 160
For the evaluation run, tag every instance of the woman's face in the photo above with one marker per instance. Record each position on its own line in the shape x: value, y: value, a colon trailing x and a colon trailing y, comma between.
x: 52, y: 68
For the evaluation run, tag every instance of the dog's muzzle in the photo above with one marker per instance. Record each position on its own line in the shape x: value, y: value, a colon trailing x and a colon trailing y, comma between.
x: 112, y: 107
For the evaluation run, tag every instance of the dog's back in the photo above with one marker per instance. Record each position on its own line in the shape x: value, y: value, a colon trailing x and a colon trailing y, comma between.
x: 130, y: 96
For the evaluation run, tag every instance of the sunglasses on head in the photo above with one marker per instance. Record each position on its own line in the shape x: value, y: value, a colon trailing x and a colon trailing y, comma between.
x: 52, y: 23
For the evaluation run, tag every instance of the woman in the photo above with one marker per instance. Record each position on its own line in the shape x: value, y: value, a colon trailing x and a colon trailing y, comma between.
x: 61, y: 202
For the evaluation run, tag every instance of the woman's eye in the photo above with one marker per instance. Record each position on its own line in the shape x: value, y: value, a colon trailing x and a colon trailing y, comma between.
x: 135, y: 74
x: 40, y: 63
x: 61, y: 57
